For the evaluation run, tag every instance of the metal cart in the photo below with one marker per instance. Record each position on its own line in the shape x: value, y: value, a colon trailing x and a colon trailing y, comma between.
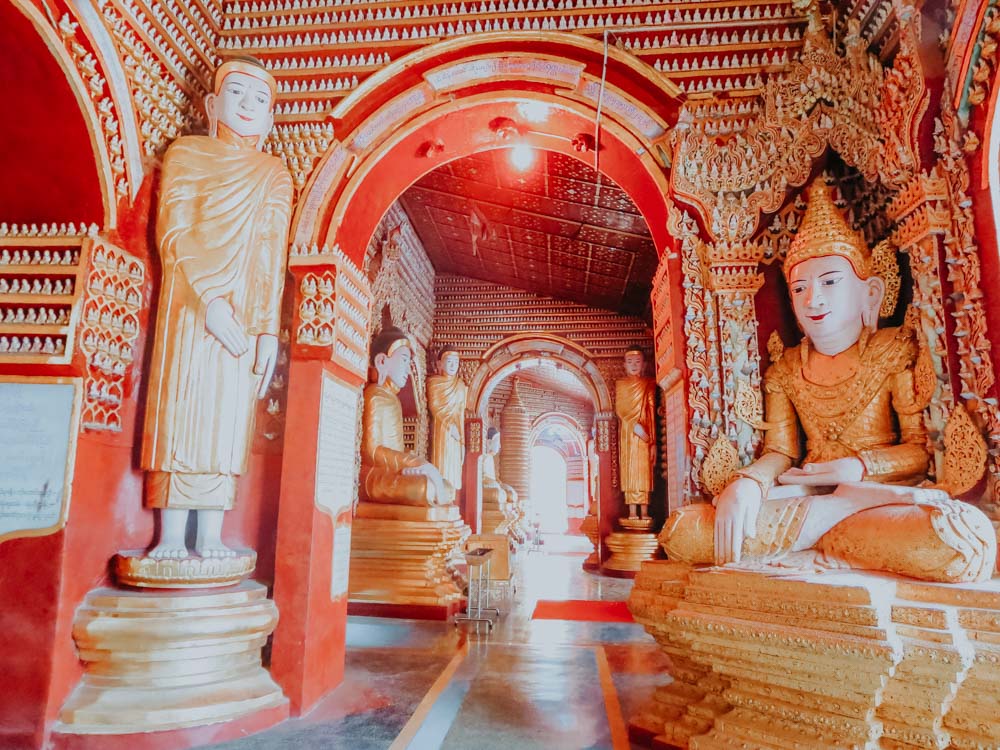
x: 478, y: 607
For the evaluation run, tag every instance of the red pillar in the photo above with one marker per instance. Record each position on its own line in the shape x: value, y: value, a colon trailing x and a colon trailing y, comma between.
x: 472, y: 477
x: 318, y: 477
x: 611, y: 505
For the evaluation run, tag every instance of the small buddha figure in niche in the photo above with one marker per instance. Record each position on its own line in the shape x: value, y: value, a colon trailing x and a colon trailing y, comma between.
x: 500, y: 506
x: 389, y: 473
x: 849, y: 387
x: 635, y: 405
x: 446, y: 395
x: 221, y: 230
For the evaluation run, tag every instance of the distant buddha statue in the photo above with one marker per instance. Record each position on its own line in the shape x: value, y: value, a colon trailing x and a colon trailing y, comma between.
x: 221, y: 230
x: 850, y: 389
x: 501, y: 512
x: 389, y: 473
x: 635, y: 405
x: 446, y: 394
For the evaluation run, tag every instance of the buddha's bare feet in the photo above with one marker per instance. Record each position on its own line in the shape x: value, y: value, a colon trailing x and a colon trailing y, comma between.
x: 168, y: 550
x: 214, y: 549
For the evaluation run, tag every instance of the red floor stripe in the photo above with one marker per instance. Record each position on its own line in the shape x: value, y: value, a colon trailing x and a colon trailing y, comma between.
x: 585, y: 611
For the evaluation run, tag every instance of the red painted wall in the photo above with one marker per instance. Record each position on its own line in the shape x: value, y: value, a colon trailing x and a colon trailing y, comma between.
x: 46, y: 157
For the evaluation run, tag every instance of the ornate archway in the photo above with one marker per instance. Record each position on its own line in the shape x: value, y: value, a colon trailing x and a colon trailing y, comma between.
x: 527, y: 350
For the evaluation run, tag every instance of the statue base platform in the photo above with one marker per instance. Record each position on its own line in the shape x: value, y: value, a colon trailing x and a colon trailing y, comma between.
x: 772, y: 658
x: 591, y: 529
x: 406, y: 555
x: 158, y: 660
x: 442, y: 612
x: 629, y: 550
x: 636, y: 524
x: 135, y: 568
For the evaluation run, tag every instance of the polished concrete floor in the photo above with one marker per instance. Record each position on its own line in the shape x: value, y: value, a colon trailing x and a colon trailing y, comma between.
x: 527, y: 685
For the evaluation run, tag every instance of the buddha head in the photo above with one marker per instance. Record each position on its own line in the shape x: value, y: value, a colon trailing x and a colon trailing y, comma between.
x: 391, y: 354
x: 449, y: 361
x: 242, y: 99
x: 493, y: 440
x: 635, y: 360
x: 833, y: 278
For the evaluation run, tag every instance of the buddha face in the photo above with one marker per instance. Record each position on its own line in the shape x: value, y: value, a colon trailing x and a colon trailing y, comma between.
x: 449, y: 363
x: 493, y: 444
x: 395, y: 367
x: 243, y: 104
x: 634, y: 362
x: 833, y: 305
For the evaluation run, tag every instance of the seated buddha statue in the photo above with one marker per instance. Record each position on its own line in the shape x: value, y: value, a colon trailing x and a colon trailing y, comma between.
x: 389, y: 473
x: 501, y: 512
x: 849, y: 388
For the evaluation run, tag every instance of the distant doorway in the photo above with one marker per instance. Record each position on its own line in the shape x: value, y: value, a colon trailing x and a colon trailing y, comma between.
x: 548, y: 490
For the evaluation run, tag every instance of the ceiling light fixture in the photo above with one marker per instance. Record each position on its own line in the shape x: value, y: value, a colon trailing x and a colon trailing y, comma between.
x: 522, y: 156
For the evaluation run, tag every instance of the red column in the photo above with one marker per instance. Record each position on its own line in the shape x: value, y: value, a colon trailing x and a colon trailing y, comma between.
x: 472, y: 477
x: 318, y: 474
x: 611, y: 505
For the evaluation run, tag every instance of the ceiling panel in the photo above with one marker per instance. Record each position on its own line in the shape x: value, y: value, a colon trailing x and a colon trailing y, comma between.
x: 558, y: 229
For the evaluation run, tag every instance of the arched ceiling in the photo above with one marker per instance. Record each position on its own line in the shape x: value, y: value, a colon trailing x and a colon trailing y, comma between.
x: 557, y: 228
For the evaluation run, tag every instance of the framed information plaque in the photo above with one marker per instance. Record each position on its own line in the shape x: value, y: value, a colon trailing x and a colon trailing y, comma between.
x: 39, y: 423
x: 336, y: 448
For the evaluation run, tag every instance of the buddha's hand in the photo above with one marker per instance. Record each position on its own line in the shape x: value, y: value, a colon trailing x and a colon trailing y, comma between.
x: 221, y: 323
x: 639, y: 430
x: 430, y: 471
x: 736, y: 511
x: 267, y: 357
x: 838, y: 471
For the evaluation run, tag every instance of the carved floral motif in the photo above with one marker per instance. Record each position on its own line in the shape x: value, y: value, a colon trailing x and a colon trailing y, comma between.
x: 824, y: 99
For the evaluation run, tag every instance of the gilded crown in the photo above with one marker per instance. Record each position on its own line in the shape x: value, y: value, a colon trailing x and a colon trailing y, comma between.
x: 824, y: 231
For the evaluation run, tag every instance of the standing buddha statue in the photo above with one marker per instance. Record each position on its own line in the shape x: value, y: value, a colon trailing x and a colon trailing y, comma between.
x: 446, y: 395
x: 850, y: 389
x: 221, y: 231
x: 635, y: 405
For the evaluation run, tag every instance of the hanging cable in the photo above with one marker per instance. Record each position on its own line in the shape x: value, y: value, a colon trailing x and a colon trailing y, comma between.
x: 600, y: 106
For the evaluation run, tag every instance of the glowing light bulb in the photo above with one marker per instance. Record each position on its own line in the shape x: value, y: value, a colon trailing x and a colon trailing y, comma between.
x: 522, y: 156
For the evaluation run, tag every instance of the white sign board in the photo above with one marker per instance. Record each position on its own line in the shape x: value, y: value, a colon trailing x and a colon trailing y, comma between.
x: 341, y: 562
x: 38, y: 427
x: 335, y: 447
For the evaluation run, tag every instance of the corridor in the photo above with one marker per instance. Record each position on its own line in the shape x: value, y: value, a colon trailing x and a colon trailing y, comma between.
x: 531, y: 684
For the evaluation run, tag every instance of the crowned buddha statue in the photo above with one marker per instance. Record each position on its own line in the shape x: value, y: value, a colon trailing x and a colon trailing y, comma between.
x: 849, y: 390
x: 221, y: 231
x: 389, y: 473
x: 446, y: 394
x: 501, y: 512
x: 635, y: 405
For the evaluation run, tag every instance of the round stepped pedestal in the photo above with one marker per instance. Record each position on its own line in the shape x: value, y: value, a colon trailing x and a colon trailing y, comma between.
x: 160, y: 660
x: 631, y: 548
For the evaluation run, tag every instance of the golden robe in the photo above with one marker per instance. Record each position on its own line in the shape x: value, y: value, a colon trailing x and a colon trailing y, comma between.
x: 872, y: 415
x: 383, y: 455
x: 635, y: 403
x: 222, y: 230
x: 446, y: 397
